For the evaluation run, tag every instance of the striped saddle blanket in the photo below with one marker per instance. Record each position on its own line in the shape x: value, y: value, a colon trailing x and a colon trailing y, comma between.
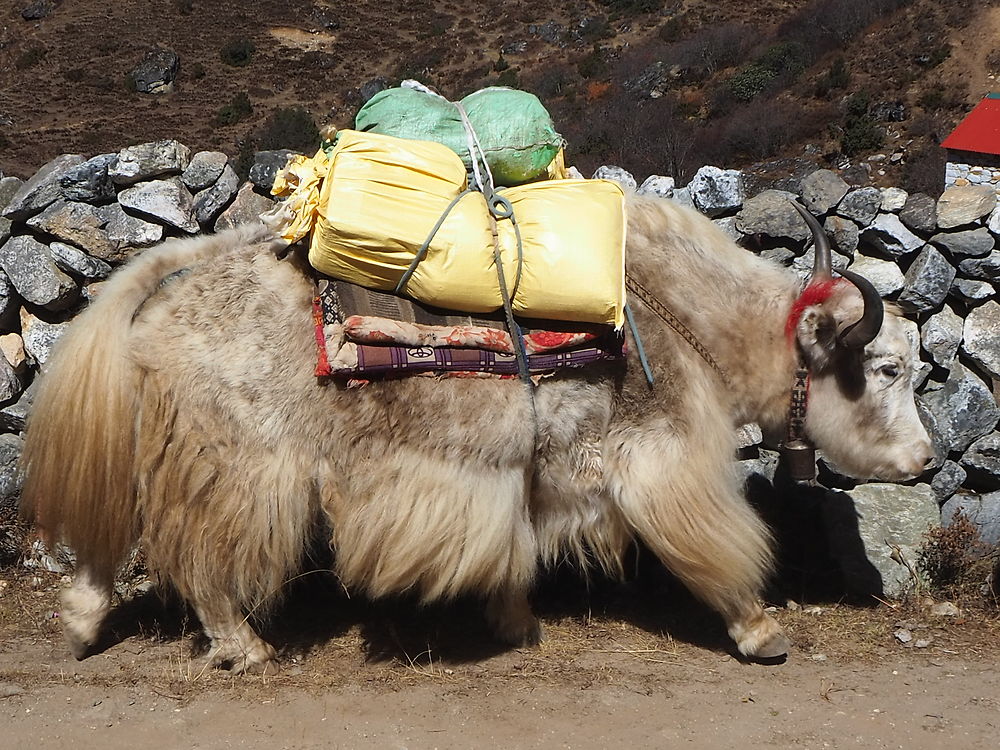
x: 363, y: 334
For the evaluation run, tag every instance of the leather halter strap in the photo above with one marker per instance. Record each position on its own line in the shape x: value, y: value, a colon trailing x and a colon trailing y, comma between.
x: 663, y: 313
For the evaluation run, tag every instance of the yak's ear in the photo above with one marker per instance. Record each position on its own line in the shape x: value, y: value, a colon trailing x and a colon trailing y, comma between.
x: 817, y: 336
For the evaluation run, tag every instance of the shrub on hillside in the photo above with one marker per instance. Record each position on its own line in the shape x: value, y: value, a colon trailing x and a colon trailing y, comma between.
x: 237, y: 110
x: 632, y: 7
x: 924, y: 171
x: 593, y: 65
x: 290, y: 127
x: 860, y: 131
x: 777, y: 66
x: 836, y: 78
x: 237, y: 52
x: 30, y: 58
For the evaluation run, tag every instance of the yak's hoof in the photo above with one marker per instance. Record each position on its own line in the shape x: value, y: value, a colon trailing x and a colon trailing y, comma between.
x: 528, y: 633
x: 258, y: 660
x: 267, y: 668
x: 774, y: 647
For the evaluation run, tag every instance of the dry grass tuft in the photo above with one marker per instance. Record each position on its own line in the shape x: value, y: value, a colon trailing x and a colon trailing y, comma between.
x: 957, y: 564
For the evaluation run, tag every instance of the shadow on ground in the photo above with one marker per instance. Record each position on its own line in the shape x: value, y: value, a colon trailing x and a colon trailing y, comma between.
x: 317, y: 609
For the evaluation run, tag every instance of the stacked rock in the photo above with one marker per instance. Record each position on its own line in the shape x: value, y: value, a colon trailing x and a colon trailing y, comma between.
x: 65, y: 229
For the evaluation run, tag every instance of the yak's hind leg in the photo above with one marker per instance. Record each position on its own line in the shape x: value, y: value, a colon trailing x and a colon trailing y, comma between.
x: 233, y: 643
x: 682, y: 497
x: 226, y: 526
x: 85, y: 604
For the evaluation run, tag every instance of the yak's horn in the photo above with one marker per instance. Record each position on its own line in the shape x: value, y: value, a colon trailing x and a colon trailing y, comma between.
x: 860, y: 334
x: 822, y: 268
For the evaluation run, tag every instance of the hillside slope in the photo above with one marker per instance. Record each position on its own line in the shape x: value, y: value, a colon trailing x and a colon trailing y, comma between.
x: 64, y: 77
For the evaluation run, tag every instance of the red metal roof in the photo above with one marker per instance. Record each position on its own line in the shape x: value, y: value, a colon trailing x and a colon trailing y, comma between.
x: 980, y: 130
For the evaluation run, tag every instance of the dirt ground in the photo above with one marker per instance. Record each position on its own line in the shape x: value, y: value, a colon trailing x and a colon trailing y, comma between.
x: 636, y: 664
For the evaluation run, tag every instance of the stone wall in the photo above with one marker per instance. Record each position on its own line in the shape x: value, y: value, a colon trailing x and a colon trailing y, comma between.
x: 967, y: 168
x: 66, y: 228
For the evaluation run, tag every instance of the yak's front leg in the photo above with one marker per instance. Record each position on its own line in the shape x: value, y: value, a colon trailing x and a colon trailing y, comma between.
x: 508, y: 612
x: 687, y: 506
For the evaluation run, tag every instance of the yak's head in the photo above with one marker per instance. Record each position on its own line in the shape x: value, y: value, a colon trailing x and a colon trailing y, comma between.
x: 861, y: 411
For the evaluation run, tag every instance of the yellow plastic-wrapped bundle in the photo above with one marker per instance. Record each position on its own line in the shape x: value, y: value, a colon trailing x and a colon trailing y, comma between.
x: 373, y: 201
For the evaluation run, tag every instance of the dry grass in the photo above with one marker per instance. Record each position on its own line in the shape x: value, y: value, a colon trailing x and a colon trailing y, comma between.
x: 390, y: 647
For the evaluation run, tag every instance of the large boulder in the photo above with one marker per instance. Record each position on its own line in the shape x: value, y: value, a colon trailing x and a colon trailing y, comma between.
x: 10, y: 382
x: 861, y: 205
x: 982, y: 462
x: 148, y: 160
x: 893, y: 199
x: 972, y: 290
x: 607, y: 172
x: 8, y: 188
x: 986, y: 268
x: 35, y: 276
x: 10, y: 474
x: 982, y: 510
x: 982, y: 337
x: 717, y: 191
x: 822, y: 190
x: 43, y: 188
x: 266, y: 165
x: 79, y: 224
x: 947, y: 481
x: 89, y: 182
x: 74, y: 260
x: 884, y: 275
x: 843, y: 233
x: 127, y: 233
x: 963, y: 205
x: 204, y: 169
x: 941, y: 334
x: 885, y: 517
x: 208, y: 203
x: 165, y: 201
x: 246, y: 208
x: 963, y: 410
x: 771, y: 214
x: 971, y: 243
x: 156, y: 73
x: 658, y: 185
x: 13, y: 416
x: 888, y: 235
x: 927, y: 282
x: 39, y: 337
x: 919, y: 213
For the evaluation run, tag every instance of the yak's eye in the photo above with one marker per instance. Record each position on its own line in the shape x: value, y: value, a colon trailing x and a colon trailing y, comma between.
x: 889, y: 371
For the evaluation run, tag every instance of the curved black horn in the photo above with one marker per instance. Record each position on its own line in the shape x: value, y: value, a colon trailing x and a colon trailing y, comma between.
x: 824, y: 260
x: 860, y: 334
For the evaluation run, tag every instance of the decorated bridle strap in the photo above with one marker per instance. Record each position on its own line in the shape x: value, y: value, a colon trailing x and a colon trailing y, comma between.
x: 663, y: 313
x: 799, y: 405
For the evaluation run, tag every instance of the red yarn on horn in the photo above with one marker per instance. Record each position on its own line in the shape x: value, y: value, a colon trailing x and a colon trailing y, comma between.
x: 814, y: 294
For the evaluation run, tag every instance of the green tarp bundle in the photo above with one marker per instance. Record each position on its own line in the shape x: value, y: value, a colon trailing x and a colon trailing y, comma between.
x: 514, y: 130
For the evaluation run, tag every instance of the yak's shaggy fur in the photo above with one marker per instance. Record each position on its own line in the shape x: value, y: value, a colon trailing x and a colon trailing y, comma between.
x: 180, y: 411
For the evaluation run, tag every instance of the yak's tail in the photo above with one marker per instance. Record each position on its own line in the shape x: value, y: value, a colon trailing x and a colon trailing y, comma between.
x: 78, y: 459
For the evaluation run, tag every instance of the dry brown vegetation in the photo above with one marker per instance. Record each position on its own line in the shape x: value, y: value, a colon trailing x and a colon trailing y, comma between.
x: 745, y: 81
